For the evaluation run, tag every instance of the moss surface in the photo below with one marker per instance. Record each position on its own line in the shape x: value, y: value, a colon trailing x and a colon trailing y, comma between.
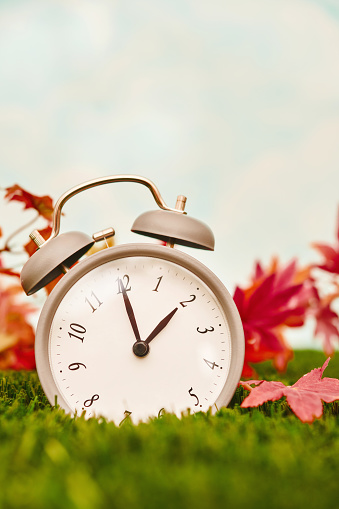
x: 238, y: 458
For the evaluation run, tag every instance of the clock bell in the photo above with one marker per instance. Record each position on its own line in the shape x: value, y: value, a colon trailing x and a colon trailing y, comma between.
x: 56, y: 255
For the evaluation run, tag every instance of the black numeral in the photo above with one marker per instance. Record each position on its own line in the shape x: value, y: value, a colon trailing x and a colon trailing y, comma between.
x: 127, y: 414
x: 191, y: 393
x: 89, y: 402
x: 126, y: 285
x: 211, y: 329
x: 76, y: 365
x: 159, y: 281
x: 210, y: 364
x: 161, y: 413
x: 97, y: 303
x: 79, y: 329
x: 185, y: 302
x: 193, y: 396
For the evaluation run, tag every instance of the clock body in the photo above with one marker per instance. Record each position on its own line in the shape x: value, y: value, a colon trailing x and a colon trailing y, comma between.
x: 84, y: 340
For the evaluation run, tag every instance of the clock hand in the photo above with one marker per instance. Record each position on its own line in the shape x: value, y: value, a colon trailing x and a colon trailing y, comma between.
x: 141, y: 348
x: 161, y: 325
x: 129, y: 310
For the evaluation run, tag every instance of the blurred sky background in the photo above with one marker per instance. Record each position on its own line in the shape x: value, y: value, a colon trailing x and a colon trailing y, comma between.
x: 233, y: 103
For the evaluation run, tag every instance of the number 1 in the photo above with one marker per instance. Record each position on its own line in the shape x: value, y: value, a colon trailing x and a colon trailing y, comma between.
x: 159, y: 281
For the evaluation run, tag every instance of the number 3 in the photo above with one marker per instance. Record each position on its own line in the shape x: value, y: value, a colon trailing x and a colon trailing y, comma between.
x: 211, y: 329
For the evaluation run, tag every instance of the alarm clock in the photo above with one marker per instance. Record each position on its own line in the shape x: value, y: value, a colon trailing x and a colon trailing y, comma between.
x: 135, y: 329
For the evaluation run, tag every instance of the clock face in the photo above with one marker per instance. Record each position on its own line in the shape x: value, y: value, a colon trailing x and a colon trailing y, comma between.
x: 132, y: 335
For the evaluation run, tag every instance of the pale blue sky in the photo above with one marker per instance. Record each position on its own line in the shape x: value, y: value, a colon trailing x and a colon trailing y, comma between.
x: 233, y: 103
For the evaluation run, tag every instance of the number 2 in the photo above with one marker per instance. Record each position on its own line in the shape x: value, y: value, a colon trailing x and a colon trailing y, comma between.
x: 185, y: 302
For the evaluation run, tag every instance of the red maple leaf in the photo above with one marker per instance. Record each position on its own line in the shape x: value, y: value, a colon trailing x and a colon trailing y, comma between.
x: 16, y: 333
x: 304, y: 397
x: 43, y: 204
x: 330, y: 254
x: 6, y: 271
x: 278, y: 297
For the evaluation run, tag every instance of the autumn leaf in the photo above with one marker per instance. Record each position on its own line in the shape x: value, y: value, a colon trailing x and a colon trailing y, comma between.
x: 305, y: 397
x: 327, y: 319
x: 43, y: 204
x: 16, y: 333
x: 327, y: 323
x: 330, y: 254
x: 7, y: 271
x: 278, y: 297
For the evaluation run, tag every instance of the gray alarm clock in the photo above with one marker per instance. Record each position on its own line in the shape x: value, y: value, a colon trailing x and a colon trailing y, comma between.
x: 137, y: 328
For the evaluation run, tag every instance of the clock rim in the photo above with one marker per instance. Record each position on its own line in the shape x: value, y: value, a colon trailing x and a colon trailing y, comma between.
x: 184, y: 260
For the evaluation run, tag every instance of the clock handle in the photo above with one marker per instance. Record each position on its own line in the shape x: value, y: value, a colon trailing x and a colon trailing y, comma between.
x: 59, y: 252
x: 98, y: 182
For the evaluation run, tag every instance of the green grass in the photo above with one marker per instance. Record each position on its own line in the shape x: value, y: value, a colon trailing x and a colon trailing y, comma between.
x: 256, y: 458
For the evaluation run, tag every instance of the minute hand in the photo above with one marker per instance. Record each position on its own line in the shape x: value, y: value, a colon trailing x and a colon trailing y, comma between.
x: 129, y: 310
x: 161, y: 325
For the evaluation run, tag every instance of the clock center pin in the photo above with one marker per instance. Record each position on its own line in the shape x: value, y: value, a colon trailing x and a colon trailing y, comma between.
x: 140, y: 348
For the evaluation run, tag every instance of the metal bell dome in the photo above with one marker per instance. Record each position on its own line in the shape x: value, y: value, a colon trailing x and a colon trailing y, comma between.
x: 50, y: 260
x: 175, y: 228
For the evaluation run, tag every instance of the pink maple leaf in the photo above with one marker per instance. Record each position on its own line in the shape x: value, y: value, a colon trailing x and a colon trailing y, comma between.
x: 305, y: 397
x: 278, y: 297
x: 327, y: 323
x: 330, y: 254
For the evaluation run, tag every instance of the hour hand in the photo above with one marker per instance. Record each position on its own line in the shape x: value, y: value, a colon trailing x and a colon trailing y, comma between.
x: 129, y: 310
x: 141, y: 348
x: 161, y: 325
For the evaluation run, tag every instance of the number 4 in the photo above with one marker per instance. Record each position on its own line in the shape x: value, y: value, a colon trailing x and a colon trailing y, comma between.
x: 210, y: 364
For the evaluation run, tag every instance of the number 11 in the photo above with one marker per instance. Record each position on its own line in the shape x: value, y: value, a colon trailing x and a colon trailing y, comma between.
x: 98, y: 303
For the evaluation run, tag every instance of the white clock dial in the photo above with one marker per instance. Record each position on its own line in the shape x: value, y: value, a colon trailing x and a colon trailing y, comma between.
x: 137, y: 334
